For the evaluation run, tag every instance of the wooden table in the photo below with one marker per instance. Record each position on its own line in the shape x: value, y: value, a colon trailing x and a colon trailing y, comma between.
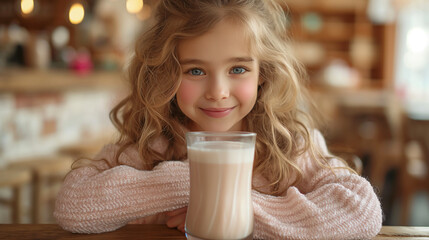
x: 155, y: 231
x: 54, y: 232
x: 399, y: 232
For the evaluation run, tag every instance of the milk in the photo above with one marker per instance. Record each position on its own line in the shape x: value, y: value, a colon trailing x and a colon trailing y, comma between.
x: 220, y: 205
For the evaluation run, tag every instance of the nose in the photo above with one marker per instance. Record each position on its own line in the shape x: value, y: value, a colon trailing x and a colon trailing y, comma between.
x: 218, y: 88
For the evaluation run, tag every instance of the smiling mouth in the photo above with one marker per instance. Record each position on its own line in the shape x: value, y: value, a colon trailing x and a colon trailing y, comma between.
x: 217, y: 112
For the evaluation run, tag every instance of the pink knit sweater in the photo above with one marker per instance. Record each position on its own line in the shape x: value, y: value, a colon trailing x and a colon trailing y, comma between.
x: 322, y: 206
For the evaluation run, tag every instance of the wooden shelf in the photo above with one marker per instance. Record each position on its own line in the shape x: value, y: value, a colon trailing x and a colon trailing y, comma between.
x: 53, y: 80
x: 341, y: 30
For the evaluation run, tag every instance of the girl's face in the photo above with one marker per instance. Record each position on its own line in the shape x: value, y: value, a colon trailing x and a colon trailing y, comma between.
x: 219, y: 79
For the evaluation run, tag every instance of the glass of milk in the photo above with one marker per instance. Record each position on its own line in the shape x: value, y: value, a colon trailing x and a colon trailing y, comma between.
x: 220, y: 204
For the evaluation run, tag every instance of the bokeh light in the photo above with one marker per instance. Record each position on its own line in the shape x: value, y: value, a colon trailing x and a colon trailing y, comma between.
x: 417, y: 39
x: 134, y: 6
x: 77, y: 13
x: 27, y: 6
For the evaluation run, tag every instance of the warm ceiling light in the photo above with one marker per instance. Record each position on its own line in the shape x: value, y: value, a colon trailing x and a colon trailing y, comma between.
x: 76, y: 14
x: 134, y: 6
x: 27, y: 6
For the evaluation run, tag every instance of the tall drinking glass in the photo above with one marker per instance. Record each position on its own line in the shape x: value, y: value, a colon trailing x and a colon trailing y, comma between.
x: 220, y: 204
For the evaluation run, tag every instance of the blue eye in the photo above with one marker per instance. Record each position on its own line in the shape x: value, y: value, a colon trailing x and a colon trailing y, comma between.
x: 238, y: 70
x: 196, y: 72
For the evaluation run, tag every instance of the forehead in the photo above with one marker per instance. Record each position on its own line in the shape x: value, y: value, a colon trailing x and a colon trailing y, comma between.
x: 226, y: 39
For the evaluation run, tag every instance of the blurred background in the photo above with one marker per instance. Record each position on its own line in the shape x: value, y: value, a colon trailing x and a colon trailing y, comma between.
x: 61, y: 72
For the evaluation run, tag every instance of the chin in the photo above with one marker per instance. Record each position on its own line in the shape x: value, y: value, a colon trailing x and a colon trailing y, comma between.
x: 220, y: 129
x: 214, y: 128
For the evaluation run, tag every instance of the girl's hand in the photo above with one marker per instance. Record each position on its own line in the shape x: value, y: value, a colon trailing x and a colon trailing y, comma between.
x: 176, y: 218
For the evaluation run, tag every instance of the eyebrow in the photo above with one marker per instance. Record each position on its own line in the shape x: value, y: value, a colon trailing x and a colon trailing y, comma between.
x: 199, y: 61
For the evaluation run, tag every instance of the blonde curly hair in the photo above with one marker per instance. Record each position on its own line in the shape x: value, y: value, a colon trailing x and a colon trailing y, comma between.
x: 280, y: 116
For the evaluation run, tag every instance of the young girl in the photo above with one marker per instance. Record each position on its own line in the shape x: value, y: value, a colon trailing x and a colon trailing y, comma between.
x: 218, y: 66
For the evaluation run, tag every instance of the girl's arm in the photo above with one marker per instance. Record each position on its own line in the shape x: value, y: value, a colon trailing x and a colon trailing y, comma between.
x: 323, y: 206
x: 343, y: 208
x: 92, y: 202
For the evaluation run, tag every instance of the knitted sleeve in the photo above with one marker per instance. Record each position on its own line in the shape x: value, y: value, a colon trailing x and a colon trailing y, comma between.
x: 91, y: 201
x: 324, y: 206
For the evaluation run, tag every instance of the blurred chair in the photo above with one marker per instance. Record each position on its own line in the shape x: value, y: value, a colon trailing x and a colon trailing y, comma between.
x: 361, y: 124
x: 389, y: 151
x: 414, y: 175
x: 407, y: 152
x: 47, y: 174
x: 16, y: 180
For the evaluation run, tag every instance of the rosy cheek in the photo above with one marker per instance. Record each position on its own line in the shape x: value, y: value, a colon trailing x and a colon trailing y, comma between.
x: 187, y: 93
x: 246, y: 91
